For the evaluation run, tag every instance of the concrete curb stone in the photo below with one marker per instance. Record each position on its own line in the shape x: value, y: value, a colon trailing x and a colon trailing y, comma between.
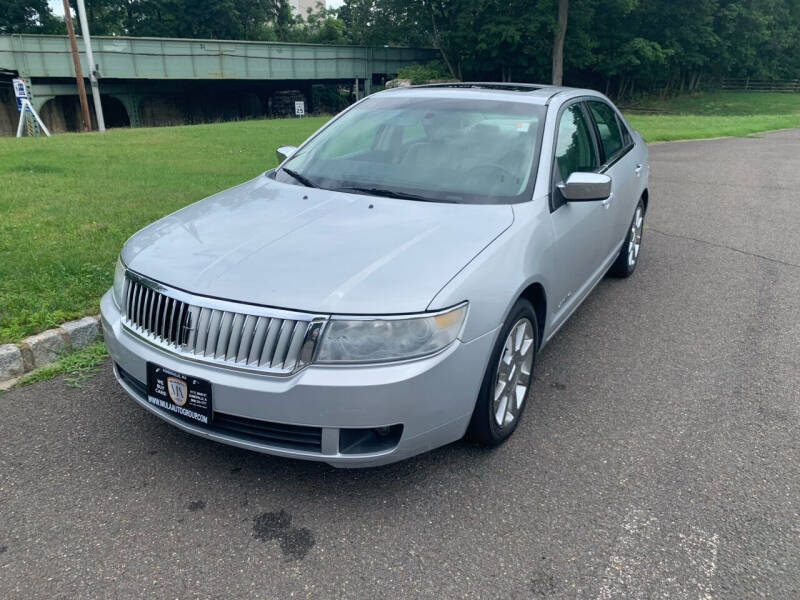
x: 45, y: 348
x: 27, y: 357
x: 11, y: 363
x: 82, y: 332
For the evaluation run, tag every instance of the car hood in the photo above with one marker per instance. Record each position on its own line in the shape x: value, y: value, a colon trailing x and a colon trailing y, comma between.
x: 274, y: 244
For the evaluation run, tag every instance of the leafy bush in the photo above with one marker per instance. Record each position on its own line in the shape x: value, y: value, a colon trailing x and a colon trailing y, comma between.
x: 419, y: 74
x: 329, y: 99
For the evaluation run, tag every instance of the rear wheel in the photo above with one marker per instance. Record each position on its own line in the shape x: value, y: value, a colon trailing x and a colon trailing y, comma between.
x: 508, y: 378
x: 628, y: 257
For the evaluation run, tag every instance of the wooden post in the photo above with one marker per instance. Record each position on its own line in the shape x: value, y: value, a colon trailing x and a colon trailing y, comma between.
x: 76, y: 59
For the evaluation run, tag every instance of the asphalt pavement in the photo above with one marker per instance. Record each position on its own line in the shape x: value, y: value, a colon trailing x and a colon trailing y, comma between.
x: 658, y: 457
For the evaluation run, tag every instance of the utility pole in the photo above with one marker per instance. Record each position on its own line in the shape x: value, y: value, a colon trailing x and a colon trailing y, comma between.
x: 76, y: 59
x: 87, y: 45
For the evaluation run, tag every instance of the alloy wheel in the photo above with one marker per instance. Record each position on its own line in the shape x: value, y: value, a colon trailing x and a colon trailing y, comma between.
x: 513, y: 373
x: 635, y: 237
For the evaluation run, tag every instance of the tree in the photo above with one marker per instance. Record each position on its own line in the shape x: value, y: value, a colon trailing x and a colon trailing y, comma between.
x: 558, y: 42
x: 622, y: 47
x: 438, y: 12
x: 386, y: 22
x: 216, y: 19
x: 322, y: 27
x: 28, y: 16
x: 104, y: 17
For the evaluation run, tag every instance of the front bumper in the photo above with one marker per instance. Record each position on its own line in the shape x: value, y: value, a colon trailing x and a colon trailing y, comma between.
x: 426, y: 403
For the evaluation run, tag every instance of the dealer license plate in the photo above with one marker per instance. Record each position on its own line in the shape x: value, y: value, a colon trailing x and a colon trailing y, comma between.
x: 183, y: 396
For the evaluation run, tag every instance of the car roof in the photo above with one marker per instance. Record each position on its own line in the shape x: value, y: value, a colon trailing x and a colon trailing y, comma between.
x: 512, y: 92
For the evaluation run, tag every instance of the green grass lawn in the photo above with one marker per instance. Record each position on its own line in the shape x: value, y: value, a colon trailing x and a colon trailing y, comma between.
x: 716, y: 114
x: 727, y: 104
x: 69, y: 202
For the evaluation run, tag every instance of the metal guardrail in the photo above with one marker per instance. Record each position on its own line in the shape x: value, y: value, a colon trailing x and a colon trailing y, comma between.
x: 760, y: 85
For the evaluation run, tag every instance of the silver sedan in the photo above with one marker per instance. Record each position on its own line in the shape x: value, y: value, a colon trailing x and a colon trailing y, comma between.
x: 386, y: 289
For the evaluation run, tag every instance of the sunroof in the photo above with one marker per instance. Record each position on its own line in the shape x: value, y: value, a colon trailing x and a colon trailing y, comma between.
x: 511, y: 87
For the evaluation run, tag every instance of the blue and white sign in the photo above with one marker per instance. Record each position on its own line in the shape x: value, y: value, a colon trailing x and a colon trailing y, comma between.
x: 24, y: 102
x: 20, y: 91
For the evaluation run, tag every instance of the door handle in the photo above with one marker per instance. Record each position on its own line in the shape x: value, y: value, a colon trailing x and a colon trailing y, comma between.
x: 638, y: 170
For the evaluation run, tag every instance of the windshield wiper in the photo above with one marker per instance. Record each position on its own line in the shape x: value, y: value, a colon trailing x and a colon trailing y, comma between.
x: 375, y: 191
x: 301, y: 178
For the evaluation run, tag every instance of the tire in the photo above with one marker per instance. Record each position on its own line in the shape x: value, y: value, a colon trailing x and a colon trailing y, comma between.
x: 493, y: 422
x: 628, y: 257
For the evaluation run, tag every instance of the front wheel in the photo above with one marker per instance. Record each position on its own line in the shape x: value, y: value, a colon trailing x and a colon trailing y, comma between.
x: 628, y: 257
x: 508, y: 378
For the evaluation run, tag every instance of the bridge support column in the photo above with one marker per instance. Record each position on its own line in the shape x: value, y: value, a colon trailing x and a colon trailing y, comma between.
x: 39, y: 101
x: 131, y: 104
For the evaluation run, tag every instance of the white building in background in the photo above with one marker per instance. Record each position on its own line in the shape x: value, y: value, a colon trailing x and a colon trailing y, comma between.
x: 300, y: 7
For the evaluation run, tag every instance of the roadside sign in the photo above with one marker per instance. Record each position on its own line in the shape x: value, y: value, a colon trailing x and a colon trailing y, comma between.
x: 19, y: 88
x: 26, y: 110
x: 299, y: 108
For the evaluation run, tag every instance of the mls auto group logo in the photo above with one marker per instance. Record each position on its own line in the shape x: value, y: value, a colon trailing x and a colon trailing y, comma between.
x: 178, y: 390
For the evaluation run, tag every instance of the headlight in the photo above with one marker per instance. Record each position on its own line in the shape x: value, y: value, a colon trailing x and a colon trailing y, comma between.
x: 389, y: 338
x: 119, y: 282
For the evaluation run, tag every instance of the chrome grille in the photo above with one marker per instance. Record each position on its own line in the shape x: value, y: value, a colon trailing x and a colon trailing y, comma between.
x: 220, y: 332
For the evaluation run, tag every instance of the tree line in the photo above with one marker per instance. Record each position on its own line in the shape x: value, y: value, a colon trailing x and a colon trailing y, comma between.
x: 261, y: 20
x: 623, y: 47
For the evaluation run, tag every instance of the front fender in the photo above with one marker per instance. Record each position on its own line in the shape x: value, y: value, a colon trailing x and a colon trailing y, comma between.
x: 501, y: 272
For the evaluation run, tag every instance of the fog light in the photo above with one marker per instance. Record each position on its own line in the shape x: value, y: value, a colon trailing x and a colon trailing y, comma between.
x: 369, y: 440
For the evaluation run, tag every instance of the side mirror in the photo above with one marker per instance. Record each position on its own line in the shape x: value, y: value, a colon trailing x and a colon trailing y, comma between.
x: 585, y: 187
x: 285, y: 152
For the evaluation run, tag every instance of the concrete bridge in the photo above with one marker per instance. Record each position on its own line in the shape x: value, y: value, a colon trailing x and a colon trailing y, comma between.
x: 147, y: 81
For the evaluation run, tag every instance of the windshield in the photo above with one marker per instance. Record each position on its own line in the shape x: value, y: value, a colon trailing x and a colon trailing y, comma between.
x: 438, y: 149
